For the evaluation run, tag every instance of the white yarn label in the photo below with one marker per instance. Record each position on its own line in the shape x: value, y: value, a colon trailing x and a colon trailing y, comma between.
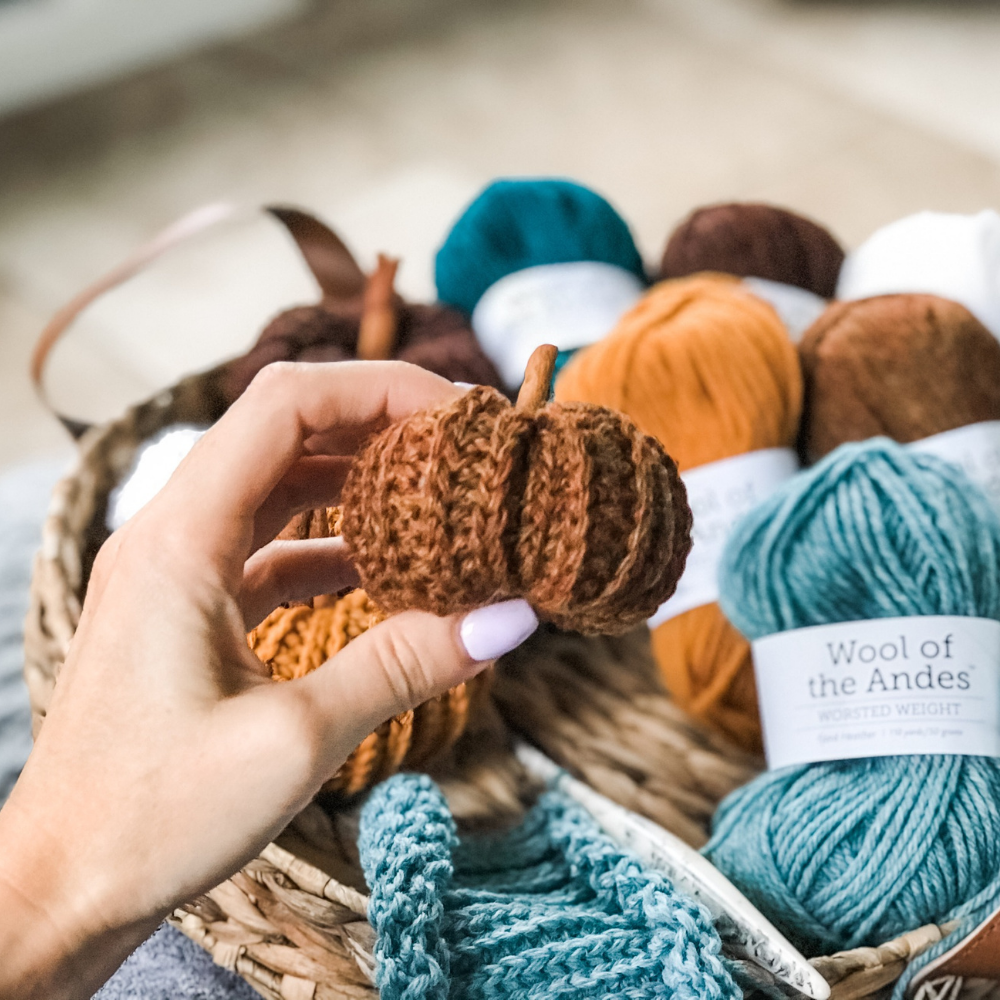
x: 569, y: 305
x: 914, y: 685
x: 797, y: 308
x: 719, y: 494
x: 975, y: 449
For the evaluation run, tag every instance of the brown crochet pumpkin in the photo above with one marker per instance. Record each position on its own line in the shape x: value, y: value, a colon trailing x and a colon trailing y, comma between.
x: 568, y: 505
x: 358, y: 316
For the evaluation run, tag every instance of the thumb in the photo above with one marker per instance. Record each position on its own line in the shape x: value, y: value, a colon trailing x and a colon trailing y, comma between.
x: 406, y: 660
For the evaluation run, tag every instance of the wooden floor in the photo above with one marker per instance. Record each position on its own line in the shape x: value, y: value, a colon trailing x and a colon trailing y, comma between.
x: 387, y: 115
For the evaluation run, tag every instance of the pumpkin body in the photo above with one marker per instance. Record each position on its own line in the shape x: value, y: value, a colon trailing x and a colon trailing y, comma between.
x: 569, y: 506
x: 297, y: 640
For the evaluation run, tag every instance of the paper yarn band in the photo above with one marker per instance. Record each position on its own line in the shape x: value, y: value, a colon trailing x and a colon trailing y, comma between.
x: 569, y: 305
x: 910, y: 685
x: 975, y: 449
x: 720, y: 493
x: 797, y: 308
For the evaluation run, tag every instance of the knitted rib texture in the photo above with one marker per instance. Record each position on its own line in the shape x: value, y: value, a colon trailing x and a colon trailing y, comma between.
x: 518, y: 223
x: 856, y: 852
x: 571, y: 507
x: 550, y: 909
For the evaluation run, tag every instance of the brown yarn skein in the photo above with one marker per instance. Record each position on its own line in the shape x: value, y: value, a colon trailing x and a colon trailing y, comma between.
x: 567, y: 505
x: 706, y: 367
x: 903, y: 366
x: 747, y: 239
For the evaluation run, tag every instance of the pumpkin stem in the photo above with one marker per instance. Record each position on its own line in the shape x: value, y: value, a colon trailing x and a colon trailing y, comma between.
x: 537, y: 382
x: 377, y: 335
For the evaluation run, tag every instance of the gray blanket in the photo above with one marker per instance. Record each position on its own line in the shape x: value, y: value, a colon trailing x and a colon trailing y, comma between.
x: 168, y: 966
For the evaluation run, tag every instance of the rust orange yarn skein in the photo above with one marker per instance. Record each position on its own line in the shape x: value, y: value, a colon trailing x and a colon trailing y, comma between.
x: 906, y: 366
x: 707, y: 368
x: 567, y: 505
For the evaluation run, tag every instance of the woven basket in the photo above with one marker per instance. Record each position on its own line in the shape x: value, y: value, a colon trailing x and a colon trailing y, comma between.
x: 293, y: 922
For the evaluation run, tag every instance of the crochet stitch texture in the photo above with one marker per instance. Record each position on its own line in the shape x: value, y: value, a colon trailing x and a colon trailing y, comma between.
x: 552, y: 908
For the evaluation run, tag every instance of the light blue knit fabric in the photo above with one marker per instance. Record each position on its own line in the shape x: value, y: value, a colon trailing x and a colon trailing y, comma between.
x: 549, y: 909
x: 855, y: 852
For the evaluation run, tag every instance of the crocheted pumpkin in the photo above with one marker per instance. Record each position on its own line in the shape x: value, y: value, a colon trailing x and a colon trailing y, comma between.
x: 359, y: 316
x: 294, y: 641
x: 568, y: 505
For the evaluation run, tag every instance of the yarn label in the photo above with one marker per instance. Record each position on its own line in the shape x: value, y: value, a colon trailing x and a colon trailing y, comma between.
x: 719, y: 494
x: 975, y: 449
x: 797, y: 308
x: 569, y: 305
x: 914, y: 685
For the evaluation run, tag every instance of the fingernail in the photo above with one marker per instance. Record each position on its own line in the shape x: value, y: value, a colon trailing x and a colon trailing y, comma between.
x: 464, y: 385
x: 497, y: 629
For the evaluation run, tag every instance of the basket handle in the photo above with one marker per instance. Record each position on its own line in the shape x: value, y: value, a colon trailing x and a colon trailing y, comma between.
x: 328, y: 258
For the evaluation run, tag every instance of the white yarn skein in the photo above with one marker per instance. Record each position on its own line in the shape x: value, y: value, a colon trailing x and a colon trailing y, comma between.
x: 953, y: 256
x: 154, y: 464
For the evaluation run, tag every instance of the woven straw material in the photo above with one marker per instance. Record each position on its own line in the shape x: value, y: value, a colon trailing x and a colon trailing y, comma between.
x: 293, y: 922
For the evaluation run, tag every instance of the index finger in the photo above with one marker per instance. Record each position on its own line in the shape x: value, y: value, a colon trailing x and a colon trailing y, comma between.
x: 289, y: 410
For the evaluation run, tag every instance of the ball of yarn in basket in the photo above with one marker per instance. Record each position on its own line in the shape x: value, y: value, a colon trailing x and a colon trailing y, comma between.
x: 567, y: 505
x: 297, y: 640
x: 903, y: 366
x: 706, y: 368
x: 748, y: 239
x: 519, y: 223
x: 538, y: 260
x: 855, y: 852
x: 938, y: 253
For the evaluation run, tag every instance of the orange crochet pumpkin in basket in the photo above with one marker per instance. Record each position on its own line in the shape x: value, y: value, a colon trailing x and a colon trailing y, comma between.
x: 567, y: 505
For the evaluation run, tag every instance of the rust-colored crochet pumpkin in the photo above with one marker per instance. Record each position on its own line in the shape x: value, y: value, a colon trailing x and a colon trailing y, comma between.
x: 294, y: 641
x: 568, y: 505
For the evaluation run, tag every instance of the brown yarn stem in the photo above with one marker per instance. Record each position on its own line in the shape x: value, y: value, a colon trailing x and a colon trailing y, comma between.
x: 377, y: 335
x: 537, y: 383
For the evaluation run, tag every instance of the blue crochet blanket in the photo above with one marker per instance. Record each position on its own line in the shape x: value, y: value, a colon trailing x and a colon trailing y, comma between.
x: 550, y: 909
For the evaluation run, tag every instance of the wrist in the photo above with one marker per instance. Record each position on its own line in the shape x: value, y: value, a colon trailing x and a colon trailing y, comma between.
x: 54, y: 940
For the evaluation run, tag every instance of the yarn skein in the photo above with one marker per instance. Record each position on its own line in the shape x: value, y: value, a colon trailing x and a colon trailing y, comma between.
x: 538, y: 260
x: 751, y: 240
x: 938, y: 253
x: 855, y: 852
x: 705, y: 367
x: 902, y: 366
x: 552, y: 908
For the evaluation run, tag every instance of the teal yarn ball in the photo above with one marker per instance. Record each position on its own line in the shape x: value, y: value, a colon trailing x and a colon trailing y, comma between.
x: 856, y: 852
x: 515, y: 224
x: 551, y: 908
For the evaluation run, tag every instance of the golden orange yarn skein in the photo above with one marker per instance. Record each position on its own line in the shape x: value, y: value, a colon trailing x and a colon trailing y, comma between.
x: 708, y: 369
x: 567, y: 505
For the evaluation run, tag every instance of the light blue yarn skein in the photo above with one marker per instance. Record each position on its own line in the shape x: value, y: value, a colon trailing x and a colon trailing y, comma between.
x: 856, y: 852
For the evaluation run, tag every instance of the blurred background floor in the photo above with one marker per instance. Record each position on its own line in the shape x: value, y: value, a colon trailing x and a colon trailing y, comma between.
x: 385, y: 117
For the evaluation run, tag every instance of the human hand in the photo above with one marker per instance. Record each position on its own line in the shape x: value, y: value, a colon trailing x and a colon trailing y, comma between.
x: 168, y: 758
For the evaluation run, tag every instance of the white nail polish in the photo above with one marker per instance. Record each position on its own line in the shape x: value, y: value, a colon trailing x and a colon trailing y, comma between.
x: 497, y: 629
x: 464, y: 385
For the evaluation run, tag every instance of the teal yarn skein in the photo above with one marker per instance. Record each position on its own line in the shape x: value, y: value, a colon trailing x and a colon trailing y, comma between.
x: 549, y: 909
x: 855, y: 852
x: 517, y: 223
